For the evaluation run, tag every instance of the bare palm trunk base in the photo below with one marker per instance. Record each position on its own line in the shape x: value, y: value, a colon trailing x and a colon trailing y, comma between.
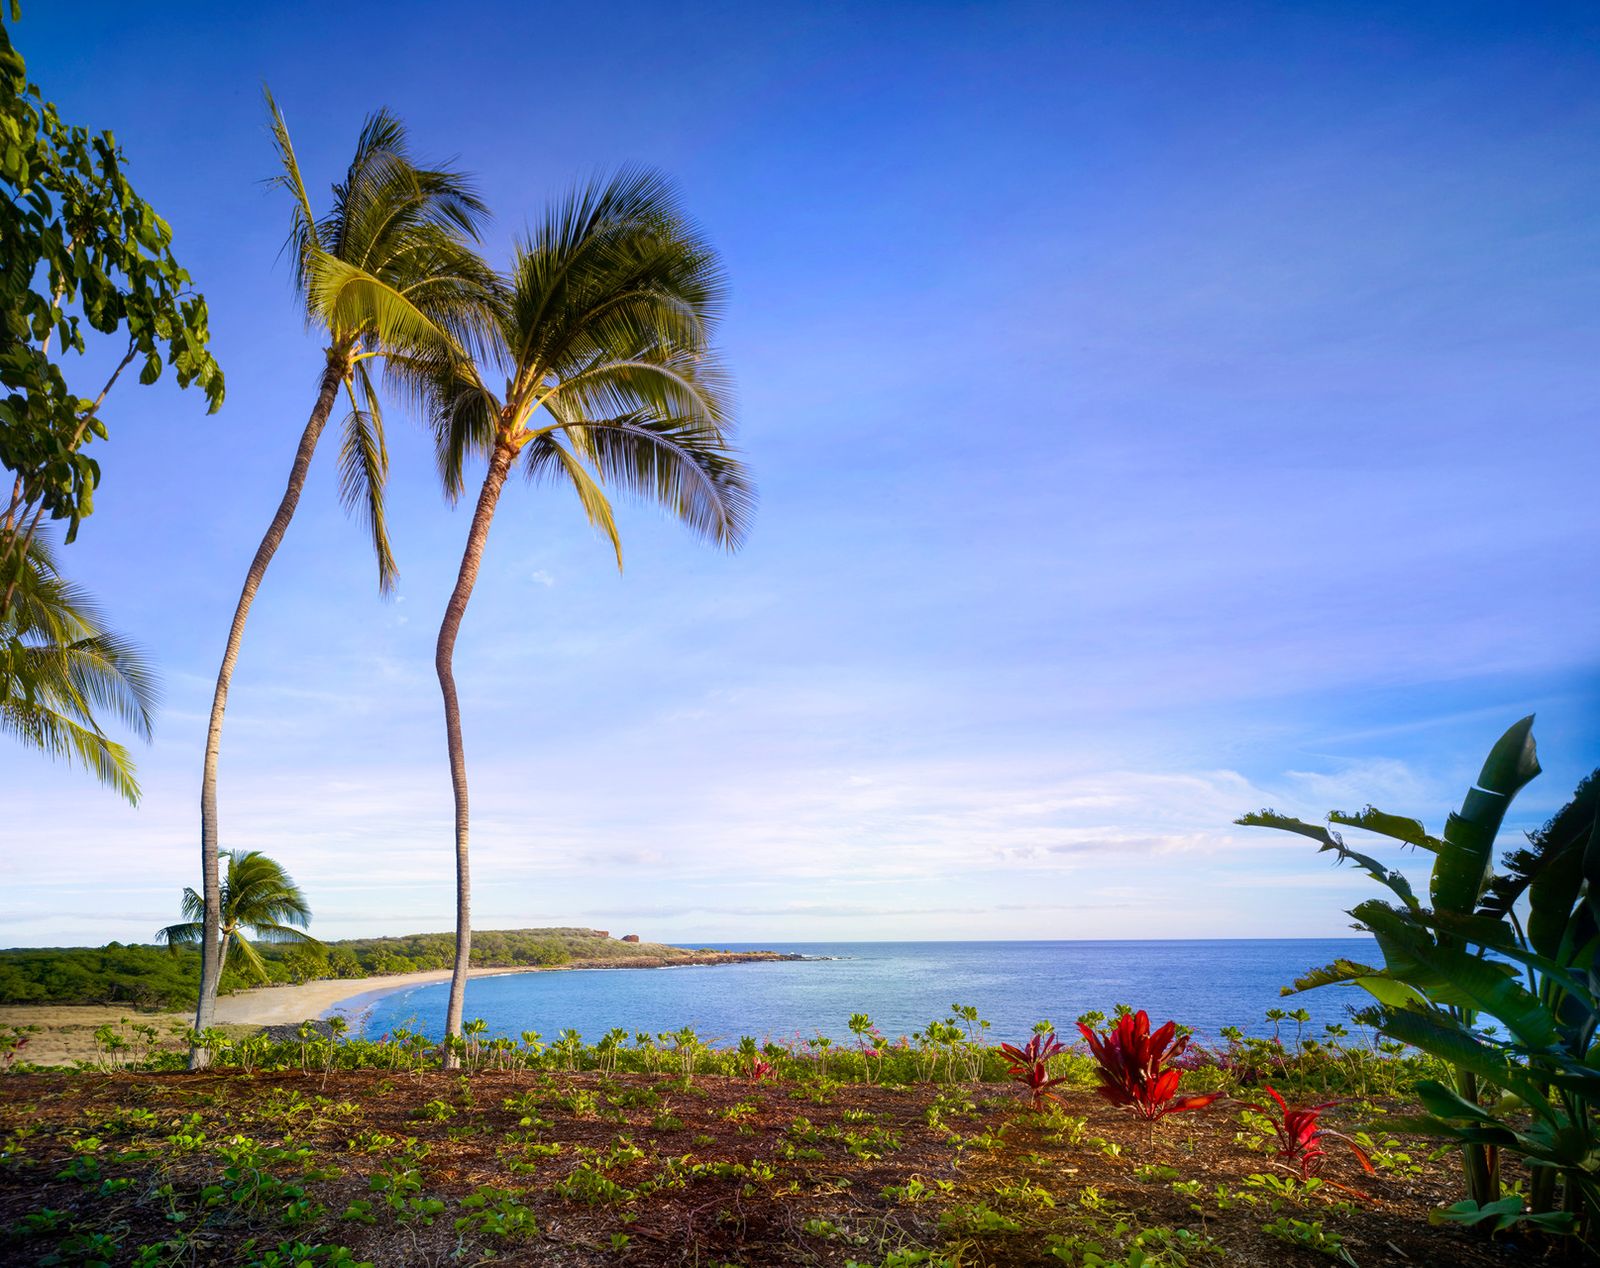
x: 212, y: 946
x: 444, y: 654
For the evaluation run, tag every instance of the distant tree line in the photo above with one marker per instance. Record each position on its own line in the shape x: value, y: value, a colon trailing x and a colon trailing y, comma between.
x: 143, y: 976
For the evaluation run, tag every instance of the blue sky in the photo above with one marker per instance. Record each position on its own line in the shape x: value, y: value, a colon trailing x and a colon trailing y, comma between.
x: 1159, y: 412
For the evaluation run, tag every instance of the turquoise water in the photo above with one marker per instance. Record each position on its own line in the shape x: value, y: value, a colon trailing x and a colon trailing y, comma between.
x: 903, y: 986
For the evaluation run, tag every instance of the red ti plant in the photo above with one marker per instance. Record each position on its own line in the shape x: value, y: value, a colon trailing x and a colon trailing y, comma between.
x: 1030, y: 1065
x: 759, y: 1069
x: 1300, y: 1136
x: 1135, y: 1069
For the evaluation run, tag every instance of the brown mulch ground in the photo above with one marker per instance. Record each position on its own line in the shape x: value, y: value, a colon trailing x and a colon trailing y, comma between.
x: 808, y: 1195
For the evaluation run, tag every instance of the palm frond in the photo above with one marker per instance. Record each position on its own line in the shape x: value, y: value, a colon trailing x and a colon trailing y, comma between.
x: 615, y: 273
x: 548, y: 459
x: 268, y: 931
x: 302, y: 239
x: 687, y: 469
x: 354, y: 304
x: 59, y: 736
x: 463, y: 414
x: 364, y: 471
x: 252, y: 958
x: 385, y: 195
x: 577, y: 230
x: 177, y: 937
x: 62, y: 672
x: 99, y: 671
x: 668, y: 383
x: 194, y: 907
x: 380, y: 151
x: 258, y: 890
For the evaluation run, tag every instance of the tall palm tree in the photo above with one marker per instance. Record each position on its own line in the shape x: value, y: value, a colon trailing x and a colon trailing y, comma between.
x: 60, y: 668
x: 258, y: 895
x: 388, y: 268
x: 600, y: 334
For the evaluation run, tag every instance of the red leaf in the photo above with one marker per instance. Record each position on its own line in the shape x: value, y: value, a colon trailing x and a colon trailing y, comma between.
x: 1134, y: 1065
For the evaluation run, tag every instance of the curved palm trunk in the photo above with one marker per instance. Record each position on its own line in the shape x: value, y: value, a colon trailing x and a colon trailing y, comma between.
x: 211, y: 943
x: 444, y: 654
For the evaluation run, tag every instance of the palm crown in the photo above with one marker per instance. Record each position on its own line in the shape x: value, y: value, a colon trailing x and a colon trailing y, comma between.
x: 61, y: 671
x: 258, y: 895
x: 388, y: 269
x: 603, y: 325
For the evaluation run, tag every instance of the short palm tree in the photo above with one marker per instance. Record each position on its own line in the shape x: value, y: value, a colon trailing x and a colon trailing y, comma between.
x: 387, y: 269
x: 61, y: 670
x: 258, y: 895
x: 600, y: 334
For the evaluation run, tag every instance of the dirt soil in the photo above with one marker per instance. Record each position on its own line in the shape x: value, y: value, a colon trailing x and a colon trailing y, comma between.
x: 810, y: 1192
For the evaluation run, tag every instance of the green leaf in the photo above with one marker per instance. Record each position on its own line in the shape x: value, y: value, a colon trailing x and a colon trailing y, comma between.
x: 1498, y: 1215
x: 1392, y: 880
x: 1513, y: 762
x: 1503, y: 1214
x: 1447, y: 1039
x: 1461, y: 873
x: 1451, y: 976
x: 1551, y: 898
x: 1396, y: 827
x: 1384, y: 989
x: 1446, y: 1103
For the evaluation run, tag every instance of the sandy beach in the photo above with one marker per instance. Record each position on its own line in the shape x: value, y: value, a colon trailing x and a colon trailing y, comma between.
x: 278, y: 1005
x: 66, y: 1031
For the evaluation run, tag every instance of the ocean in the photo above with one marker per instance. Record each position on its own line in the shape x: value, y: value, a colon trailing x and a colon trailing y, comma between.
x: 902, y: 985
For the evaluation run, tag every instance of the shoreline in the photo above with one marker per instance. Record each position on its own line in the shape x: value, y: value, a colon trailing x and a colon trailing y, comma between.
x: 282, y: 1004
x: 287, y: 1004
x: 66, y: 1031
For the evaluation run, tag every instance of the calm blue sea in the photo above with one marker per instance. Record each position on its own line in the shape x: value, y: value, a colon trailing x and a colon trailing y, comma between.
x: 903, y: 986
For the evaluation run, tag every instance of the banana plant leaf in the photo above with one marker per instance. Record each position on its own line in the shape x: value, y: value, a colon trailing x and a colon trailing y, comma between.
x: 1551, y: 898
x: 1573, y: 825
x: 1451, y: 976
x: 1503, y: 1214
x: 1461, y: 871
x: 1578, y: 1078
x: 1476, y: 929
x: 1447, y: 1103
x: 1386, y: 990
x: 1538, y: 1149
x: 1496, y: 1134
x: 1332, y: 841
x: 1395, y: 827
x: 1447, y: 1039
